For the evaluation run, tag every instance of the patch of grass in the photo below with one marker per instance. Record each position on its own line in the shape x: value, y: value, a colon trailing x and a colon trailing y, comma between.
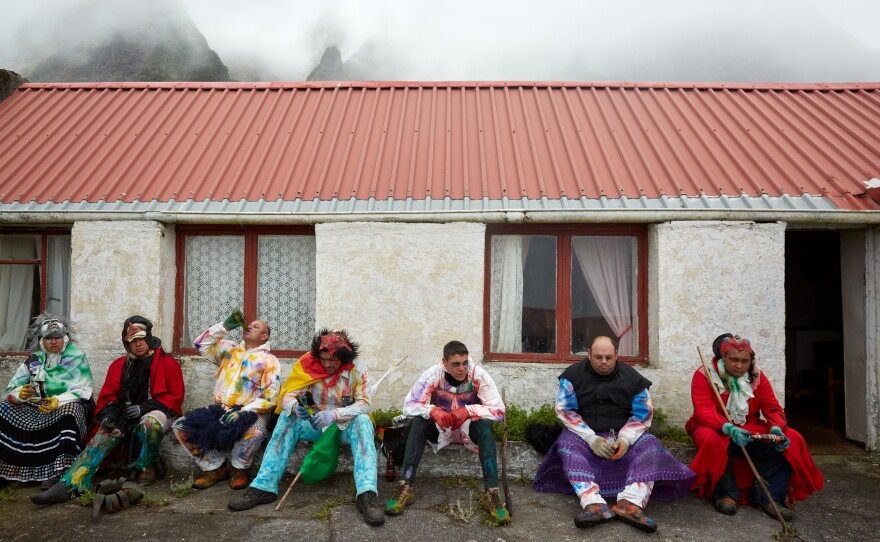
x: 522, y: 479
x: 661, y: 429
x: 183, y: 488
x: 7, y: 493
x: 518, y: 418
x: 463, y: 512
x: 383, y: 418
x: 452, y: 482
x: 329, y: 504
x: 536, y: 503
x: 87, y: 498
x: 786, y: 534
x: 157, y: 502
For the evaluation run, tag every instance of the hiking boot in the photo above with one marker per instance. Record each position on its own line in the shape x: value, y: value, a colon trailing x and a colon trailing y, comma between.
x: 54, y: 495
x: 46, y: 484
x: 367, y: 505
x: 403, y: 497
x: 725, y: 505
x: 252, y: 497
x: 493, y: 505
x: 238, y: 478
x: 593, y: 514
x: 211, y: 477
x: 633, y: 514
x: 786, y: 513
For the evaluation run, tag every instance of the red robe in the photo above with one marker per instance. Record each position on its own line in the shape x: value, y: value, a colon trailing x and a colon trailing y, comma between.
x: 711, y: 459
x: 166, y: 382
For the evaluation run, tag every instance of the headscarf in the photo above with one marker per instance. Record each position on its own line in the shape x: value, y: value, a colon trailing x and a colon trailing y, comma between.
x: 740, y: 388
x: 136, y: 327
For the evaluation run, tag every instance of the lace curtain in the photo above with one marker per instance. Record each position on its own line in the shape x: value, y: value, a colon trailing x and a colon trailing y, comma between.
x: 604, y: 262
x: 506, y: 295
x: 214, y: 283
x: 16, y: 290
x: 286, y: 289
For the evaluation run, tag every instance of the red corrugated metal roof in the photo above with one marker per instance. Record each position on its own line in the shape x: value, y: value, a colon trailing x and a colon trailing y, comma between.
x: 132, y: 141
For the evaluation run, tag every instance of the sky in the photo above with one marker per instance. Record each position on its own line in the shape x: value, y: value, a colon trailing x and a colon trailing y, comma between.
x: 522, y: 40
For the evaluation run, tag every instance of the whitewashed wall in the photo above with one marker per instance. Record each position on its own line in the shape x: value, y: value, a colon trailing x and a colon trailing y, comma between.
x: 705, y: 279
x: 119, y: 268
x: 401, y: 290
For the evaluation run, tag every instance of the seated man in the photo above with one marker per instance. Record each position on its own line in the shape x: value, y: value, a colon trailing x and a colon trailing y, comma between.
x: 452, y: 401
x: 141, y: 396
x: 336, y: 381
x: 782, y: 460
x: 597, y: 397
x: 245, y: 390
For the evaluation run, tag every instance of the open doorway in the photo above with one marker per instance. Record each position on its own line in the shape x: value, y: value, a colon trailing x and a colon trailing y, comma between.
x: 814, y: 346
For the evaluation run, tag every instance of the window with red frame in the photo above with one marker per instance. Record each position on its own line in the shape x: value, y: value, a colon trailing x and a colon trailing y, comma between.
x: 34, y: 278
x: 268, y: 274
x: 551, y: 289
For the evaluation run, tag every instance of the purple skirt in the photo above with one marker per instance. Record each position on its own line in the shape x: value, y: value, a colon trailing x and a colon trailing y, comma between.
x: 570, y: 459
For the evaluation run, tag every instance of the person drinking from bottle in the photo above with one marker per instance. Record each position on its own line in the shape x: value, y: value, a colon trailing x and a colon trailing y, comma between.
x: 245, y: 392
x: 757, y: 424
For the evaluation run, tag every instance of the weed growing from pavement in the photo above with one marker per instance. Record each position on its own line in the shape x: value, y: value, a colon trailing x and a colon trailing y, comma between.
x: 183, y: 488
x: 329, y: 504
x: 536, y: 503
x: 154, y: 501
x: 463, y: 512
x: 452, y: 482
x: 87, y: 498
x: 7, y: 494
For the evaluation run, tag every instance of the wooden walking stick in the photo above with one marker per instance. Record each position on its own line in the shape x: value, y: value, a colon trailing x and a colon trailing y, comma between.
x: 504, y: 456
x: 745, y: 452
x: 286, y: 493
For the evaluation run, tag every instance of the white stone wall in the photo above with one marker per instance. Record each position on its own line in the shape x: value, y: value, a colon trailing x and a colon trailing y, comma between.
x: 708, y: 278
x: 401, y: 290
x: 118, y: 269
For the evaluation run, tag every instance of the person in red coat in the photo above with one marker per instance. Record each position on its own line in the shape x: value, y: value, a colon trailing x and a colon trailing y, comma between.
x: 141, y: 396
x: 782, y: 458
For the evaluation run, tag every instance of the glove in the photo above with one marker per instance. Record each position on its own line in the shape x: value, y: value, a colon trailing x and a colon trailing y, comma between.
x: 47, y: 405
x: 601, y: 447
x: 459, y: 416
x: 234, y: 320
x: 132, y: 412
x: 740, y: 436
x: 301, y: 412
x: 108, y: 424
x: 230, y: 417
x: 442, y: 418
x: 622, y: 448
x: 26, y: 392
x: 784, y: 442
x: 323, y: 419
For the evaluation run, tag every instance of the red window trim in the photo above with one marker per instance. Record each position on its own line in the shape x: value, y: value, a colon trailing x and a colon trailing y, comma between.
x: 250, y: 272
x: 44, y: 253
x: 563, y: 286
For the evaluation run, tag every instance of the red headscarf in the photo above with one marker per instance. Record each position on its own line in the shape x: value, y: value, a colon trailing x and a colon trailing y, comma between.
x: 736, y: 343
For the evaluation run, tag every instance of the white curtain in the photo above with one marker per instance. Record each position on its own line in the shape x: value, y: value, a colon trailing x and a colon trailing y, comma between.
x: 286, y: 289
x: 58, y: 275
x: 604, y: 261
x: 506, y: 296
x: 214, y: 283
x: 16, y: 290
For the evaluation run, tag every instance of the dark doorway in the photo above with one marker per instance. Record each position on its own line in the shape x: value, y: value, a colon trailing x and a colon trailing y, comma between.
x: 814, y: 393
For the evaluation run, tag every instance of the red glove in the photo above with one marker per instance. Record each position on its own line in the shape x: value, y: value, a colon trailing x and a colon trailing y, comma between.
x: 442, y: 418
x: 459, y: 416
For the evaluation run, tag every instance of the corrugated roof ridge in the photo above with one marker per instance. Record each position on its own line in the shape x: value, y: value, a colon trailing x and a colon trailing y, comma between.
x: 819, y: 86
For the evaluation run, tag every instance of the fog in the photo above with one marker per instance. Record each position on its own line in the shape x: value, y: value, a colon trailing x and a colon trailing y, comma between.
x: 686, y: 40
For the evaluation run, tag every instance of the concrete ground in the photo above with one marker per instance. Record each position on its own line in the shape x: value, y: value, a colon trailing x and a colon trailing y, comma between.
x: 845, y: 510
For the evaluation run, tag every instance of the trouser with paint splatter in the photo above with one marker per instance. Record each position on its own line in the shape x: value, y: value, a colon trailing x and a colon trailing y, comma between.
x: 243, y: 451
x: 480, y: 432
x: 289, y: 430
x: 147, y: 433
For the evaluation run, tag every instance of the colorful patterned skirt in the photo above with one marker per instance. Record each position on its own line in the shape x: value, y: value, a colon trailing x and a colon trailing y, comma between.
x: 570, y: 459
x: 36, y: 446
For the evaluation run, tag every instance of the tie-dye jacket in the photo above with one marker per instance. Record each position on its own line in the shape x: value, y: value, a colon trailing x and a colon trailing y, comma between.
x: 65, y: 376
x: 567, y: 411
x: 477, y: 393
x: 250, y: 378
x: 346, y: 398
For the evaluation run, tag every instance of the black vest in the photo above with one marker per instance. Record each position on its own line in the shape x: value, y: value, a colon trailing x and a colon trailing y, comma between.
x: 605, y: 402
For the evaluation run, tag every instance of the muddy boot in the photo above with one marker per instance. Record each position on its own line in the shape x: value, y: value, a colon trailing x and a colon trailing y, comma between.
x: 54, y: 495
x: 369, y: 507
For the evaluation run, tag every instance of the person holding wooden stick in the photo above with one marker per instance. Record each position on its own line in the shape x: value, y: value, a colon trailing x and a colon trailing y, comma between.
x: 757, y: 424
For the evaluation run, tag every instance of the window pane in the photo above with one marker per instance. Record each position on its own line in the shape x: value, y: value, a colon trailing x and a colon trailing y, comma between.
x: 19, y: 290
x: 214, y: 283
x: 523, y: 294
x: 286, y: 289
x: 603, y: 292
